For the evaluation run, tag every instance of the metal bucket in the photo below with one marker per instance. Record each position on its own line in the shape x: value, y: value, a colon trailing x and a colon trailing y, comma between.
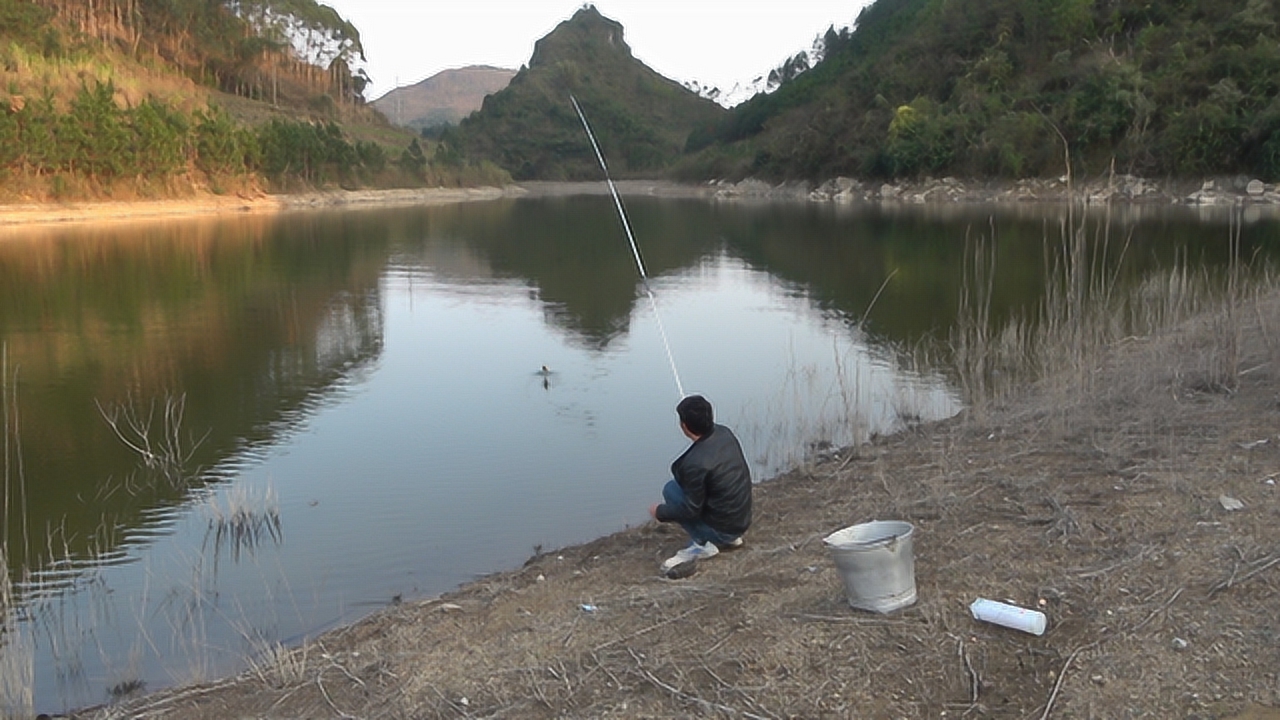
x: 876, y: 563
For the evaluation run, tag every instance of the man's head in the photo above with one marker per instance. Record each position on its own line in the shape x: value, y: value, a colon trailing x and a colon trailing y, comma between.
x: 696, y: 415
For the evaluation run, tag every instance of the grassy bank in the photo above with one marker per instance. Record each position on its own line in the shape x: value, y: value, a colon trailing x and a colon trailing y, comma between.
x: 1090, y: 478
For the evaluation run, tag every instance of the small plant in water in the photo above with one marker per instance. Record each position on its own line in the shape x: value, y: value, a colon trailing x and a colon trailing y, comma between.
x: 156, y: 434
x: 244, y: 521
x: 17, y: 651
x: 17, y: 664
x: 126, y: 689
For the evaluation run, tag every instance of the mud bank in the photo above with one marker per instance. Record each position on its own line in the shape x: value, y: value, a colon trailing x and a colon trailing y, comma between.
x: 214, y: 205
x: 1234, y: 191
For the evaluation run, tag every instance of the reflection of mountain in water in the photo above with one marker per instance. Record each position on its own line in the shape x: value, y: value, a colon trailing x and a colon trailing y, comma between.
x: 571, y: 252
x: 255, y: 325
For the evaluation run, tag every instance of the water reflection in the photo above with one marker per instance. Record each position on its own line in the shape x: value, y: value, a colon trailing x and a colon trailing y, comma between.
x: 569, y: 252
x: 245, y: 325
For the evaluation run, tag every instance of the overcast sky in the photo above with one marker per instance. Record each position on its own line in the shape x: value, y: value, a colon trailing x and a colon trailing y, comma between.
x: 714, y: 42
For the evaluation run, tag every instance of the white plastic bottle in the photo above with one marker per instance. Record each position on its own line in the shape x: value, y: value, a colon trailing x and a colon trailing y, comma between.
x: 1010, y: 616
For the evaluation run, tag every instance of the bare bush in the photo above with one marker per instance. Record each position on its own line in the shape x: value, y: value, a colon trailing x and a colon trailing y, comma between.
x: 155, y: 432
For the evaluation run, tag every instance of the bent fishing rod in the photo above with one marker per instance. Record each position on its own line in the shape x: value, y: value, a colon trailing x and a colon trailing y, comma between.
x: 631, y: 238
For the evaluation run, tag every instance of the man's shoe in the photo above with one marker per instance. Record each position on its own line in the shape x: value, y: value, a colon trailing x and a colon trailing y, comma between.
x: 733, y: 544
x: 681, y: 570
x: 692, y: 553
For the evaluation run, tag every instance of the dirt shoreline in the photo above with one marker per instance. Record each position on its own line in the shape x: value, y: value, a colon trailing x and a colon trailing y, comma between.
x: 1105, y: 501
x: 36, y: 214
x: 1214, y: 193
x: 209, y: 205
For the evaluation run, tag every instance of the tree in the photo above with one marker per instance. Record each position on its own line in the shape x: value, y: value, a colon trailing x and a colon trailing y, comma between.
x: 413, y: 161
x: 95, y: 134
x: 10, y: 142
x: 159, y: 139
x: 220, y: 146
x: 38, y: 132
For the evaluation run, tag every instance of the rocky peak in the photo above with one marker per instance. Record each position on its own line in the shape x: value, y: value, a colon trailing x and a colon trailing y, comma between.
x: 587, y: 31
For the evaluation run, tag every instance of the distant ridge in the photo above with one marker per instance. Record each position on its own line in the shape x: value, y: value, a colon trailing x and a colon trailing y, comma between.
x: 642, y: 119
x: 444, y: 98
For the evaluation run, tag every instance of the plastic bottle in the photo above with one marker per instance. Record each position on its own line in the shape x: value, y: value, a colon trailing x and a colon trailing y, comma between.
x: 1010, y: 616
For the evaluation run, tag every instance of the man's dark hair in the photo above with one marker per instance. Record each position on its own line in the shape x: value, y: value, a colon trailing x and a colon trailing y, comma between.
x: 696, y: 414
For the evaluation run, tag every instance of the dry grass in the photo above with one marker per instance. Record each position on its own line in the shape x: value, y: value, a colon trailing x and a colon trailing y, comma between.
x: 19, y: 190
x: 17, y: 654
x: 1084, y: 315
x: 28, y: 75
x: 245, y: 521
x: 154, y: 431
x: 1094, y: 497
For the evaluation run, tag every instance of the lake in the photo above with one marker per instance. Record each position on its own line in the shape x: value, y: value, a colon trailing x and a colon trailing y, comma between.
x: 225, y: 434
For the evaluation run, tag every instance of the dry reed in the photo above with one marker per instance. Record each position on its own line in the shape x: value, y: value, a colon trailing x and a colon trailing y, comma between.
x: 17, y: 655
x: 1085, y: 312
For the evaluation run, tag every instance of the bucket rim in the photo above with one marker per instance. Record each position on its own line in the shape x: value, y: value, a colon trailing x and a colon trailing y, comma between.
x: 908, y: 530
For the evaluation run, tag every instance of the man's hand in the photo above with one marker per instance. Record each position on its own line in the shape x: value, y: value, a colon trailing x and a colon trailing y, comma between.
x: 653, y: 511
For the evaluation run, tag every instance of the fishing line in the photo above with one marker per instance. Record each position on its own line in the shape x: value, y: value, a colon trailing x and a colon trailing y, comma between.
x: 635, y: 250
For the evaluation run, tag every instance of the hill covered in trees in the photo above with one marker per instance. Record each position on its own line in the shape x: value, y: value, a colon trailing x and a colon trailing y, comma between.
x: 642, y: 119
x: 1003, y: 87
x: 127, y: 98
x: 161, y: 96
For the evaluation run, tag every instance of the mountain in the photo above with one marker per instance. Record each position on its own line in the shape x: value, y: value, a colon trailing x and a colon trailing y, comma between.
x: 1008, y: 87
x: 641, y: 119
x: 444, y: 98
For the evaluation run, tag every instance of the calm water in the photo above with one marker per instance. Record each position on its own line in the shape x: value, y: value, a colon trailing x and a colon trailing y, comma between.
x: 355, y: 404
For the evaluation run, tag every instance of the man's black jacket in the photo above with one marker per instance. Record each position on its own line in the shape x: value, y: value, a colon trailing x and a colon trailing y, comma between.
x: 716, y: 481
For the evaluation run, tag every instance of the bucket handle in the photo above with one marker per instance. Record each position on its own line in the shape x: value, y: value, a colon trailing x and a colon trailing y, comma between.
x: 889, y: 543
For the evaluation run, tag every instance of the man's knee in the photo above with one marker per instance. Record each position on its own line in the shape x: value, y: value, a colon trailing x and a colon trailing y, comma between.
x: 672, y: 494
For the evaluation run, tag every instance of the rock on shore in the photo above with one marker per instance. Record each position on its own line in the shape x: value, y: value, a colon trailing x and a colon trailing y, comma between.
x: 1238, y: 190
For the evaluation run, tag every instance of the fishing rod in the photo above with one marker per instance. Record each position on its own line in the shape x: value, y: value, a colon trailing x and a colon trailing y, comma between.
x: 631, y: 238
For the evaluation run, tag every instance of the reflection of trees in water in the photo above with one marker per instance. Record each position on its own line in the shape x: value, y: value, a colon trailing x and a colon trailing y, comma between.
x: 255, y: 321
x: 346, y: 329
x: 572, y: 253
x: 841, y: 255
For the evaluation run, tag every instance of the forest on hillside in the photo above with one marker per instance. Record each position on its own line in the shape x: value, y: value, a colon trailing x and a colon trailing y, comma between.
x: 120, y: 98
x: 1007, y: 88
x: 257, y: 49
x: 99, y: 94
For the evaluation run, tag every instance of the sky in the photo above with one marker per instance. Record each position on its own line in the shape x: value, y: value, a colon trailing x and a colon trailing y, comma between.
x: 716, y: 43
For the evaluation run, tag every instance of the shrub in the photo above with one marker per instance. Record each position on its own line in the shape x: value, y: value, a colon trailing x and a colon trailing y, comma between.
x: 160, y: 139
x: 219, y: 144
